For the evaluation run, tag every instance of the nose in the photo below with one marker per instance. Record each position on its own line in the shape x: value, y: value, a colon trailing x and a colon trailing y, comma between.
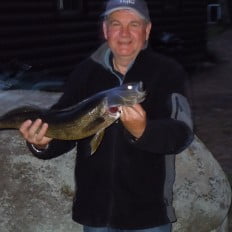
x: 125, y: 31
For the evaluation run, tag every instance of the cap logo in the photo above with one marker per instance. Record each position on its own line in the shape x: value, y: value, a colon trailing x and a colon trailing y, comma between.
x: 127, y: 1
x: 139, y: 6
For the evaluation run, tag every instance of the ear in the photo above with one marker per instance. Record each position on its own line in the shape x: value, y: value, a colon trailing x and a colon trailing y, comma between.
x: 104, y: 28
x: 148, y: 30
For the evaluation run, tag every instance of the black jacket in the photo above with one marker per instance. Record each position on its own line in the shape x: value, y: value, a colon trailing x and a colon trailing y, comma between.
x: 124, y: 184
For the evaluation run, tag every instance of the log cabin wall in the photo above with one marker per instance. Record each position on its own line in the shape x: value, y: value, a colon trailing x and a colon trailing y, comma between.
x: 54, y: 35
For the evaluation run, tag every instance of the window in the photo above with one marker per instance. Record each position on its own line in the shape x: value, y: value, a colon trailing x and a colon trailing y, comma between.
x: 214, y: 13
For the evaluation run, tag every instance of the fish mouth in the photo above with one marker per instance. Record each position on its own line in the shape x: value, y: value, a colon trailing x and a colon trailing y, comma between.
x: 140, y: 86
x: 141, y: 92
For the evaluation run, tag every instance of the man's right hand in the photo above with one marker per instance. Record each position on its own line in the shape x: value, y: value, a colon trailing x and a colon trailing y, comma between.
x: 34, y: 133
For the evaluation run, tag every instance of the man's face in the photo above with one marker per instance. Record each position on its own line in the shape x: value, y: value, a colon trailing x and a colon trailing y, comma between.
x: 126, y: 33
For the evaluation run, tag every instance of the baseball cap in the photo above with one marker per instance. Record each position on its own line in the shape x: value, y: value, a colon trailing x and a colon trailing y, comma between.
x: 139, y: 6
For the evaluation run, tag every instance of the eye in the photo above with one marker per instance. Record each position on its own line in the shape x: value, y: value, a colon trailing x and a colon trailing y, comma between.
x: 135, y: 24
x: 114, y: 24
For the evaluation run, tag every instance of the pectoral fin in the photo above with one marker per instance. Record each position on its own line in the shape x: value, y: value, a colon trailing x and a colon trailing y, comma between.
x: 96, y: 140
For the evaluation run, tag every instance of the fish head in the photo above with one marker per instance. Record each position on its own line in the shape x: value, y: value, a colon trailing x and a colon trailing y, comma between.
x: 109, y: 110
x: 127, y: 94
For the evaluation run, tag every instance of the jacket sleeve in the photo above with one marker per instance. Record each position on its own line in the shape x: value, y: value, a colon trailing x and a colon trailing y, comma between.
x: 169, y: 136
x: 171, y: 131
x: 54, y: 149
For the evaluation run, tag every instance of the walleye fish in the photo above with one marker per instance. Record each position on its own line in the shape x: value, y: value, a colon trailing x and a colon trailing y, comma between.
x: 87, y: 118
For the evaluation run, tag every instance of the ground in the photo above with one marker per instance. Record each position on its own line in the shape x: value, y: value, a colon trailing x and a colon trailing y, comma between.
x: 211, y: 96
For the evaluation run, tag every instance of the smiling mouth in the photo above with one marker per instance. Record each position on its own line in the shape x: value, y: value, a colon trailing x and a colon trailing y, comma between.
x: 124, y: 42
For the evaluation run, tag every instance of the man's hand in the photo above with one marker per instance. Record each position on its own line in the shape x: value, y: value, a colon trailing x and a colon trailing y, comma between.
x: 34, y: 133
x: 134, y: 119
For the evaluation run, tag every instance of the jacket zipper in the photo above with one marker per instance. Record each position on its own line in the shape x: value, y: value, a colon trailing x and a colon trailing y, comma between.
x: 111, y: 204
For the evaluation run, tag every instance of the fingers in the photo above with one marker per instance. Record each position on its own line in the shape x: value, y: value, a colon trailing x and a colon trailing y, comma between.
x: 132, y: 112
x: 24, y: 128
x: 34, y: 132
x: 35, y: 129
x: 134, y: 119
x: 41, y: 131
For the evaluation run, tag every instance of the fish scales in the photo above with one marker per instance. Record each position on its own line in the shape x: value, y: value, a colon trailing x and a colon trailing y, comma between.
x: 88, y: 117
x: 81, y: 127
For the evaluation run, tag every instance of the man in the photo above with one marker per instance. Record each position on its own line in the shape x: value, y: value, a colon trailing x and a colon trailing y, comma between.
x: 127, y: 183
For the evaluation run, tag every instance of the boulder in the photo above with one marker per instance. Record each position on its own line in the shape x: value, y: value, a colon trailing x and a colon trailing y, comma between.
x: 202, y: 193
x: 36, y: 195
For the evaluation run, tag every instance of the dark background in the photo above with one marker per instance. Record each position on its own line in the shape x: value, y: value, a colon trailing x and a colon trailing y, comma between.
x: 53, y: 35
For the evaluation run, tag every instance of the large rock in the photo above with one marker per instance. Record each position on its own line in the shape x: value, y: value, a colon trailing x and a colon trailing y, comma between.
x: 202, y: 193
x: 36, y: 195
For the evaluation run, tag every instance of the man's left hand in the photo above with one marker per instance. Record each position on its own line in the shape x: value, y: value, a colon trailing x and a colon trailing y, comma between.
x: 134, y: 119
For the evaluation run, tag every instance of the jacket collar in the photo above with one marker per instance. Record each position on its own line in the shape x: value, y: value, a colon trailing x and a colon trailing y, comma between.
x: 102, y: 56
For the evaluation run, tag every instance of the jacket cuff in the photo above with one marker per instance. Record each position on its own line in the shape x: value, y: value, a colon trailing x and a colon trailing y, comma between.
x: 36, y: 149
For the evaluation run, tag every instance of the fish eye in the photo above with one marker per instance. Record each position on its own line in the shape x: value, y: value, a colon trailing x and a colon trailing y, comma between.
x: 129, y: 87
